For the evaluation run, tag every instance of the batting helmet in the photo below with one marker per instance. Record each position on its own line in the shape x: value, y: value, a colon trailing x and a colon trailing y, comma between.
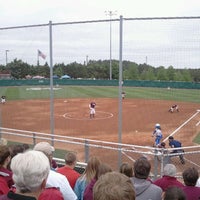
x: 157, y: 126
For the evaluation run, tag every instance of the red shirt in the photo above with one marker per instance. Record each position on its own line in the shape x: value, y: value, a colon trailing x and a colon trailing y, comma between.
x: 7, y: 175
x: 3, y: 186
x: 167, y: 181
x: 51, y: 194
x: 70, y: 174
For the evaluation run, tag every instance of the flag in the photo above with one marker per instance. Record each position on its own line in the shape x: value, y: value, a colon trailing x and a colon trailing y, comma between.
x: 41, y: 54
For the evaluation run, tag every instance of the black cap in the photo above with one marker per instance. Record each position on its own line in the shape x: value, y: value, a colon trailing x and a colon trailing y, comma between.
x: 162, y: 144
x: 170, y: 137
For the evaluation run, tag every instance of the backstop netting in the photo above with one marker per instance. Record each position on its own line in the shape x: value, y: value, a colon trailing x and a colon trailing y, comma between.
x: 152, y: 49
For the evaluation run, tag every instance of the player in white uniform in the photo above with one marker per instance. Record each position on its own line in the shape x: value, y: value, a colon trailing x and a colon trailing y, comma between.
x: 174, y: 107
x: 158, y: 134
x: 3, y: 99
x: 92, y: 109
x: 123, y: 95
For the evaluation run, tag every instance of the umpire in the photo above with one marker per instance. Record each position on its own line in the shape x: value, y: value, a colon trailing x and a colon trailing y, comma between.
x: 176, y: 144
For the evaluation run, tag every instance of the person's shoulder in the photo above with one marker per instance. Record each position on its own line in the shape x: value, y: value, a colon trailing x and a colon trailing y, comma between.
x: 56, y: 177
x: 51, y: 193
x: 4, y: 197
x: 81, y: 180
x: 159, y: 180
x: 155, y: 188
x: 59, y: 169
x: 191, y: 189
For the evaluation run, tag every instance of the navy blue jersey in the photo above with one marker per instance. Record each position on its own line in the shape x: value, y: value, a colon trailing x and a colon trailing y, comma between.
x: 175, y: 144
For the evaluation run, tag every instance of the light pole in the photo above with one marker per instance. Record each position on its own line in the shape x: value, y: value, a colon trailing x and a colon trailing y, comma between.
x: 110, y: 13
x: 7, y: 56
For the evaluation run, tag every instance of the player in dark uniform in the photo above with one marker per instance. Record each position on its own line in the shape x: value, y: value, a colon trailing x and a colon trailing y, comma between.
x: 173, y: 108
x: 92, y: 109
x: 176, y: 144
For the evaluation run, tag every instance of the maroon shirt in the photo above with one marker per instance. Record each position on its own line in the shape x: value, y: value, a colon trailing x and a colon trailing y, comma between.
x: 192, y: 192
x: 167, y: 181
x: 7, y: 175
x: 88, y: 193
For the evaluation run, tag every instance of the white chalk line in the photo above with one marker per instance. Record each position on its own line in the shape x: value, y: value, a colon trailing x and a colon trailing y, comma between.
x: 182, y: 125
x: 197, y: 124
x: 173, y: 134
x: 109, y: 115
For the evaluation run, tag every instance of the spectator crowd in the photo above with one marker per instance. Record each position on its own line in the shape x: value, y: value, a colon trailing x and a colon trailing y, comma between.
x: 32, y: 174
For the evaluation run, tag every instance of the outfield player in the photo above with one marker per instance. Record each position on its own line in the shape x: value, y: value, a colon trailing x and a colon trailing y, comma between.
x: 92, y: 109
x: 174, y: 108
x: 123, y: 95
x: 157, y: 133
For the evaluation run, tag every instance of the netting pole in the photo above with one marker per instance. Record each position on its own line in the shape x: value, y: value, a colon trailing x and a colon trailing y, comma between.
x: 51, y: 84
x: 120, y: 95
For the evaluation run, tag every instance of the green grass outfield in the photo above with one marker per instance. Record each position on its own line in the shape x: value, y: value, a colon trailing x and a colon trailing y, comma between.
x: 42, y: 92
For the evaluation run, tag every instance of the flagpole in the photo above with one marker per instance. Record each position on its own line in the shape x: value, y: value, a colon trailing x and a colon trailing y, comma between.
x: 38, y: 58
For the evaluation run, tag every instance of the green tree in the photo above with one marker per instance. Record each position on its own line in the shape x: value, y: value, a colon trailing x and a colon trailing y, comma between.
x: 161, y: 73
x: 130, y: 71
x: 186, y: 75
x: 171, y: 73
x: 19, y: 69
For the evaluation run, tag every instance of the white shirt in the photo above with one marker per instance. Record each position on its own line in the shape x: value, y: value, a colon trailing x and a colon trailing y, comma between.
x: 198, y: 183
x: 58, y: 180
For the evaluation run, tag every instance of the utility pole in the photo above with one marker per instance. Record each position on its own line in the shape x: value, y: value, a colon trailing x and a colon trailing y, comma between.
x: 7, y: 56
x: 110, y: 13
x: 86, y: 60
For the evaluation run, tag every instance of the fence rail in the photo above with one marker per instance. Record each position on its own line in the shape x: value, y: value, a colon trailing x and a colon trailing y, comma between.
x: 108, y: 150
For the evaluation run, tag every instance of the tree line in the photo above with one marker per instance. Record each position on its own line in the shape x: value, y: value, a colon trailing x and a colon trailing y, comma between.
x: 100, y: 69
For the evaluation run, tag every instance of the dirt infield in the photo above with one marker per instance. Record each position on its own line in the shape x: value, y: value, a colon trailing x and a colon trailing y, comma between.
x: 72, y: 119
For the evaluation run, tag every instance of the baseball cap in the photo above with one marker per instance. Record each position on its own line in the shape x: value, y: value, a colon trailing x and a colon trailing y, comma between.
x: 162, y: 144
x: 45, y: 147
x: 170, y: 137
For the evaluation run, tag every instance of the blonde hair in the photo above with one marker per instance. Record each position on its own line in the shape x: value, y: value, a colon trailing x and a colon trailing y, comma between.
x: 113, y: 186
x: 126, y: 169
x: 91, y: 168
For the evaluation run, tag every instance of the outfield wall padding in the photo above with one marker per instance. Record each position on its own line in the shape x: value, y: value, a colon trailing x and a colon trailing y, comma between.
x: 85, y: 82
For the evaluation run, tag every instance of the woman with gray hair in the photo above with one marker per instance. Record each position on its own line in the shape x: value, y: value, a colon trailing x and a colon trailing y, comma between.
x: 30, y: 172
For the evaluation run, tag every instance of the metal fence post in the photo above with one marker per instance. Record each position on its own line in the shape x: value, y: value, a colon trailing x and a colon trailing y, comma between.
x: 34, y: 139
x: 87, y: 149
x: 155, y: 163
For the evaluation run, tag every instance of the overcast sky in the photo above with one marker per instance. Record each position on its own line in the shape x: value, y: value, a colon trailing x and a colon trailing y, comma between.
x: 92, y: 40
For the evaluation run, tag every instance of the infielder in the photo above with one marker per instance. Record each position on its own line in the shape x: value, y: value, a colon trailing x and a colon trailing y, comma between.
x: 3, y: 99
x: 173, y: 108
x: 92, y: 109
x: 157, y: 133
